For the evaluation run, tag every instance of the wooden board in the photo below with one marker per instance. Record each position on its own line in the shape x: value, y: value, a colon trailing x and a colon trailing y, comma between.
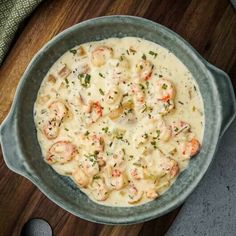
x: 209, y: 25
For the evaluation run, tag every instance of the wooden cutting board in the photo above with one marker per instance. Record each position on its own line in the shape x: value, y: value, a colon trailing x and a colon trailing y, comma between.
x: 209, y: 25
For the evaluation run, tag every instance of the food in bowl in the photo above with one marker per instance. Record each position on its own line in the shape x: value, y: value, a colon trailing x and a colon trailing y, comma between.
x: 121, y: 117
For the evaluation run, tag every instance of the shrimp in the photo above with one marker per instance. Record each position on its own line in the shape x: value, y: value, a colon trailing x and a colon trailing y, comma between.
x: 113, y: 96
x: 170, y: 167
x: 80, y: 178
x: 165, y: 107
x: 163, y: 131
x: 58, y: 110
x: 90, y: 165
x: 115, y: 178
x: 152, y: 194
x: 190, y: 148
x: 179, y: 127
x: 134, y: 194
x: 100, y: 55
x: 138, y: 93
x: 144, y: 69
x: 99, y: 190
x: 165, y: 90
x: 94, y: 111
x: 117, y: 159
x: 137, y: 173
x: 61, y: 151
x: 51, y: 129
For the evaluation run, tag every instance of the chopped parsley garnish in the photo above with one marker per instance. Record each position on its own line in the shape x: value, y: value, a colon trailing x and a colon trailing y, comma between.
x: 66, y: 129
x: 101, y: 91
x: 144, y: 57
x: 164, y: 86
x: 96, y: 177
x: 105, y: 129
x: 154, y: 144
x: 121, y: 58
x: 180, y: 102
x: 84, y: 80
x: 125, y: 95
x: 86, y: 133
x: 132, y: 50
x: 142, y: 86
x: 67, y: 82
x: 153, y: 54
x: 100, y: 74
x: 73, y: 51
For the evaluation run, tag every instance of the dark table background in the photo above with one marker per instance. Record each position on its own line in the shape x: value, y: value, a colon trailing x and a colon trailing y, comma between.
x: 209, y: 25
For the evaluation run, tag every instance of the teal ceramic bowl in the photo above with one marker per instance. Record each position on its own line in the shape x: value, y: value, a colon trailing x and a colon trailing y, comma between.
x: 18, y: 134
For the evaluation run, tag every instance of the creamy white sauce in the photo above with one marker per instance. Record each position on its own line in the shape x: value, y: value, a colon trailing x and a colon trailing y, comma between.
x: 135, y: 134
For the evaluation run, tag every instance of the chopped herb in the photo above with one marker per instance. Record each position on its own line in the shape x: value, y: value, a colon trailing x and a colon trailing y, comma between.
x: 160, y: 76
x: 141, y: 67
x: 67, y: 82
x: 127, y: 51
x: 121, y: 58
x: 154, y: 144
x: 101, y: 91
x: 73, y: 51
x: 132, y: 50
x: 66, y: 129
x: 110, y: 144
x: 137, y: 164
x: 195, y: 88
x: 84, y: 80
x: 164, y: 86
x: 144, y: 57
x: 86, y: 133
x: 130, y: 196
x: 180, y: 102
x: 105, y: 129
x: 142, y: 86
x: 145, y: 135
x: 96, y: 177
x: 153, y: 54
x: 125, y: 95
x: 100, y: 74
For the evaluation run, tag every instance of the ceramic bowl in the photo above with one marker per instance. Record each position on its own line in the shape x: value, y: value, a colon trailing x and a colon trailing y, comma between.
x: 18, y: 134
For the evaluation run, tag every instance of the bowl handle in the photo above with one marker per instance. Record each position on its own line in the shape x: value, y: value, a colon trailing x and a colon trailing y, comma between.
x: 227, y: 96
x: 10, y: 149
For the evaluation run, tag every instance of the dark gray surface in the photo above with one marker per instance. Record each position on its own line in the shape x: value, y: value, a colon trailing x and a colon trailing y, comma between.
x: 36, y: 227
x: 211, y: 209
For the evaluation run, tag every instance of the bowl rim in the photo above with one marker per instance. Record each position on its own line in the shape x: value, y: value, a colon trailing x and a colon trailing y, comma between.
x: 56, y: 199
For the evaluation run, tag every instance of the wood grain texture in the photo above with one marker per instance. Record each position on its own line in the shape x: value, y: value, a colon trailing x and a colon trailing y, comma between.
x: 209, y: 25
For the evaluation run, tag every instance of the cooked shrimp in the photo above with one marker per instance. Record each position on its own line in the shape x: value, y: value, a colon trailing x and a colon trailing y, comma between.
x: 80, y: 178
x: 152, y: 194
x: 170, y: 167
x: 163, y: 130
x: 137, y: 173
x: 117, y: 159
x: 58, y: 109
x: 115, y: 178
x: 100, y: 55
x: 190, y: 148
x: 138, y: 93
x: 61, y: 151
x: 144, y: 69
x: 89, y: 165
x: 134, y: 194
x: 113, y: 96
x: 165, y: 107
x: 165, y: 90
x: 99, y: 190
x: 51, y: 129
x: 95, y: 111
